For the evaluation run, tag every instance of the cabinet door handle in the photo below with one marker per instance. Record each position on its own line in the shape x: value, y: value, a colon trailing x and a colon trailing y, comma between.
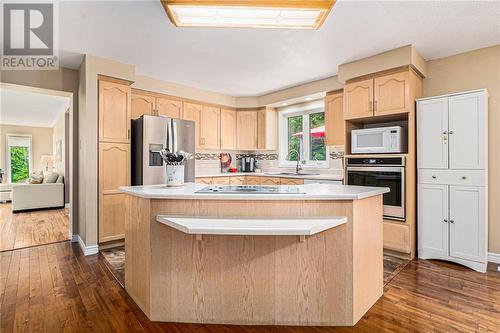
x: 370, y: 105
x: 128, y: 134
x: 445, y: 132
x: 434, y: 177
x: 450, y: 132
x: 375, y: 106
x: 464, y: 178
x: 445, y: 221
x: 451, y: 221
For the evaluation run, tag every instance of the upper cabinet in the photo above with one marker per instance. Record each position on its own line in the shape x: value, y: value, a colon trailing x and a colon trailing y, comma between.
x: 114, y: 112
x: 334, y: 119
x: 209, y: 127
x: 391, y: 93
x: 191, y: 111
x: 142, y: 104
x: 381, y: 95
x: 452, y: 132
x: 267, y: 129
x: 358, y: 99
x: 227, y: 129
x: 168, y: 107
x: 246, y: 127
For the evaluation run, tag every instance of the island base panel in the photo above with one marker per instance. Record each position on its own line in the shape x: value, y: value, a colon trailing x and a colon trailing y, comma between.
x: 332, y: 278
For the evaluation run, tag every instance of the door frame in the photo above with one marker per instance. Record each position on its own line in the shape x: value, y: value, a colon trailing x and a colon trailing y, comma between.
x: 73, y: 199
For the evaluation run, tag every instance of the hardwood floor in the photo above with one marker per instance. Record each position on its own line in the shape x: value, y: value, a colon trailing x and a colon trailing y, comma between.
x: 32, y: 228
x: 54, y: 288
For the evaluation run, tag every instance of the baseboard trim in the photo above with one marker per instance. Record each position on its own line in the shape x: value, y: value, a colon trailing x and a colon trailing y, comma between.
x: 494, y: 257
x: 68, y: 205
x: 74, y: 238
x: 87, y: 250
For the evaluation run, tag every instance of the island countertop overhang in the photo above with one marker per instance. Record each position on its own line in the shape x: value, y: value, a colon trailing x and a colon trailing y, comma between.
x: 311, y: 192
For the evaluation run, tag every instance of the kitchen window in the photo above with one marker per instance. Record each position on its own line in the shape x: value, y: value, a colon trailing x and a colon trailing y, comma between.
x: 302, y: 136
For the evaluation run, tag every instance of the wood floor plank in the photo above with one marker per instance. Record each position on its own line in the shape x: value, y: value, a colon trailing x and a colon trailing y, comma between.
x: 32, y: 228
x: 55, y: 288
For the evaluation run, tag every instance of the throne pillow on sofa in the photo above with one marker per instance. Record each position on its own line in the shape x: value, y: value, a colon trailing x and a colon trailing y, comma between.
x: 50, y: 177
x: 36, y: 178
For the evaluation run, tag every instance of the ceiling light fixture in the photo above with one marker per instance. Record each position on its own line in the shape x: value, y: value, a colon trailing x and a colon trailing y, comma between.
x: 284, y: 104
x: 288, y: 14
x: 308, y: 98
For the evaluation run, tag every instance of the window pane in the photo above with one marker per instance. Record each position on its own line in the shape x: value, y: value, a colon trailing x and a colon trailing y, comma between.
x: 295, y: 137
x: 317, y: 136
x: 19, y: 163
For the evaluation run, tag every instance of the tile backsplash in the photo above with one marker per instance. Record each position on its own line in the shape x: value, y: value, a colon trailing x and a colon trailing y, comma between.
x: 208, y: 163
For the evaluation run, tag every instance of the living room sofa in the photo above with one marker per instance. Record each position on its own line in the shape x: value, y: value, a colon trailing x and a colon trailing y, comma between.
x: 37, y: 196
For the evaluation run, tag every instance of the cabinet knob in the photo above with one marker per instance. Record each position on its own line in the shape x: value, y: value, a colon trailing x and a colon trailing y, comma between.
x: 445, y: 221
x: 464, y: 178
x: 451, y: 132
x: 434, y: 177
x: 451, y: 221
x: 445, y: 132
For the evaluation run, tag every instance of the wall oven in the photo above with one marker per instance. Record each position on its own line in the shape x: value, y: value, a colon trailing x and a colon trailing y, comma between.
x: 381, y: 172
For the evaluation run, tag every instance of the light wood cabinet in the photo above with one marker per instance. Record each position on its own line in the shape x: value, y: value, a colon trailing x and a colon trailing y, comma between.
x: 358, y: 99
x: 204, y: 180
x: 267, y: 129
x: 221, y: 180
x: 270, y: 181
x: 392, y: 93
x: 237, y: 180
x: 168, y: 107
x: 385, y: 94
x: 114, y: 112
x: 334, y: 119
x: 252, y: 180
x: 142, y: 104
x: 227, y: 129
x: 114, y: 171
x: 291, y: 181
x: 191, y: 111
x: 246, y: 130
x: 209, y: 127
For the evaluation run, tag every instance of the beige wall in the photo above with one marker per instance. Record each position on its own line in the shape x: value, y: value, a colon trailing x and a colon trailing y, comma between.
x: 61, y: 165
x: 66, y: 80
x: 41, y: 143
x: 468, y: 71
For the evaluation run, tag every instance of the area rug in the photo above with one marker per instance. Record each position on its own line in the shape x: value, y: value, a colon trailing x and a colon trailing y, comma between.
x: 115, y: 261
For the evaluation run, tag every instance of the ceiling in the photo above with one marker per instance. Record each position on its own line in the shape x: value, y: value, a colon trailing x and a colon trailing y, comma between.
x: 252, y: 62
x: 25, y: 108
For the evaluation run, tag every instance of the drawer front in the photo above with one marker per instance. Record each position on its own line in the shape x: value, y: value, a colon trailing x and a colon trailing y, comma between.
x: 292, y: 181
x: 237, y: 180
x: 220, y: 181
x: 452, y: 177
x: 269, y: 181
x: 205, y: 180
x: 252, y: 180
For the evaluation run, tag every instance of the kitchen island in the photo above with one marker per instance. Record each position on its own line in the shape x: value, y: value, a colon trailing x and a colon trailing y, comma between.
x: 311, y: 257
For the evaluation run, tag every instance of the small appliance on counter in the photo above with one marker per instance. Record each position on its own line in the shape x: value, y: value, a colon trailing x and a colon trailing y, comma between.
x: 248, y: 164
x: 380, y: 140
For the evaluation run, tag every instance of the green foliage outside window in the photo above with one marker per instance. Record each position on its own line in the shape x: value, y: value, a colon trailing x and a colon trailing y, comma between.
x: 318, y: 148
x: 19, y: 164
x: 294, y: 141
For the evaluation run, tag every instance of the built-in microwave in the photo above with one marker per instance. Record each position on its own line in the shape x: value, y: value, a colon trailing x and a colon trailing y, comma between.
x: 383, y: 140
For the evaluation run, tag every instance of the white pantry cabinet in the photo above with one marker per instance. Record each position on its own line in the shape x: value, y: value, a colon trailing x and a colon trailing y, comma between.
x: 452, y: 139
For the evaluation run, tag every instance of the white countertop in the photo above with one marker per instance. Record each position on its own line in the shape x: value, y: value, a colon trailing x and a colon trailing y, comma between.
x: 251, y: 226
x: 324, y: 176
x: 312, y: 192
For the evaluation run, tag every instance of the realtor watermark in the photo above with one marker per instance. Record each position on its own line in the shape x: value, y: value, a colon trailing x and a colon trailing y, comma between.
x: 30, y: 38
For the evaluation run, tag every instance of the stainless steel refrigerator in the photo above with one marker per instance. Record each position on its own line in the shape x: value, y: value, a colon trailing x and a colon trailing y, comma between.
x: 150, y: 134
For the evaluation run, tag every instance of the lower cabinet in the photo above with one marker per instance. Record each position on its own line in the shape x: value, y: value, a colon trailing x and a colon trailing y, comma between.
x: 221, y: 180
x: 114, y: 171
x: 291, y: 181
x: 270, y: 181
x: 252, y: 180
x: 204, y: 180
x: 113, y: 208
x: 452, y: 224
x: 237, y: 180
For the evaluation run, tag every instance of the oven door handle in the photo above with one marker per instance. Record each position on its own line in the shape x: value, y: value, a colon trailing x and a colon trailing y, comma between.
x: 382, y: 169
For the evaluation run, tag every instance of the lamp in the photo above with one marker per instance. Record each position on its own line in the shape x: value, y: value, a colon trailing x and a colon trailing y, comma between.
x: 47, y: 160
x: 290, y: 14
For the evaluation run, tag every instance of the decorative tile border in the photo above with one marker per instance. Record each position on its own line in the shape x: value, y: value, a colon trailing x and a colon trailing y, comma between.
x: 259, y: 157
x: 206, y: 157
x: 336, y: 155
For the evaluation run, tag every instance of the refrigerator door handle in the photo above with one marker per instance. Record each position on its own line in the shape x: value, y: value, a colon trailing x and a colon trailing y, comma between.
x: 174, y: 134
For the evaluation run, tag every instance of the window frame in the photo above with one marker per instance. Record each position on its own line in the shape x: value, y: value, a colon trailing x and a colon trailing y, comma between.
x: 305, y: 111
x: 29, y: 137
